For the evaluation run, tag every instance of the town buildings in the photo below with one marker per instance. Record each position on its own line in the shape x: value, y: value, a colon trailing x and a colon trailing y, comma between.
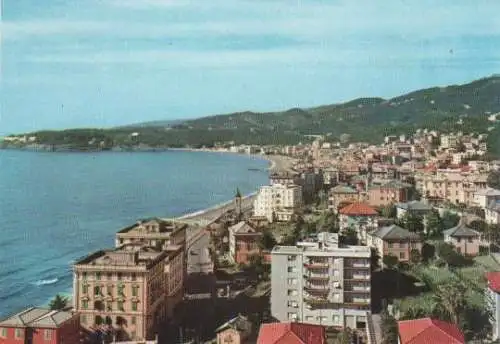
x: 359, y: 217
x: 396, y: 241
x: 492, y: 213
x: 166, y: 235
x: 415, y: 208
x: 493, y: 297
x: 465, y: 240
x: 234, y: 331
x: 40, y: 326
x: 278, y: 202
x: 124, y: 289
x: 291, y: 333
x: 321, y: 282
x: 341, y: 195
x: 388, y: 193
x: 243, y: 242
x: 427, y: 330
x: 484, y: 197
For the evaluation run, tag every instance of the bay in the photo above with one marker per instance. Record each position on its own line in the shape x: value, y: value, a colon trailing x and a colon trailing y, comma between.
x: 57, y: 207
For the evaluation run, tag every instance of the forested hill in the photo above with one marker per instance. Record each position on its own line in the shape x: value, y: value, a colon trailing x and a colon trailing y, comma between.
x: 366, y: 119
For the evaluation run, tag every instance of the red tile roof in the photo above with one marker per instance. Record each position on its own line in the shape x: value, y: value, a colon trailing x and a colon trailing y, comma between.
x: 493, y: 281
x: 427, y: 331
x: 291, y: 333
x: 358, y: 208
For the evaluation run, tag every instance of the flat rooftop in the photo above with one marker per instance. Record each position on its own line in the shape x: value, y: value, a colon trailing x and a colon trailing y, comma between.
x: 153, y: 226
x: 127, y: 255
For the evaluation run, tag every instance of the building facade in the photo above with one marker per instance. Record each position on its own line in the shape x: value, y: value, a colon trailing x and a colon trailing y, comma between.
x: 321, y: 283
x: 493, y: 301
x: 40, y: 326
x: 278, y: 202
x: 388, y: 193
x: 243, y: 242
x: 395, y: 241
x: 465, y: 240
x: 122, y: 289
x: 341, y: 194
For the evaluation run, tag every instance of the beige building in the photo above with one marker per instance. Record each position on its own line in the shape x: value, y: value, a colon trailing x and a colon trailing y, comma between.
x: 465, y: 240
x: 235, y: 331
x: 342, y: 194
x: 167, y: 235
x: 452, y: 186
x: 123, y: 288
x: 396, y: 241
x: 321, y: 282
x: 388, y: 193
x: 278, y: 202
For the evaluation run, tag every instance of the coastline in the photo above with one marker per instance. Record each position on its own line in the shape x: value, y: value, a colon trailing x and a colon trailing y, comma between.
x: 199, y: 215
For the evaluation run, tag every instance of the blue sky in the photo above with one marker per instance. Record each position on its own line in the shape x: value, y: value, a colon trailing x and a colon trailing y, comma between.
x: 100, y: 63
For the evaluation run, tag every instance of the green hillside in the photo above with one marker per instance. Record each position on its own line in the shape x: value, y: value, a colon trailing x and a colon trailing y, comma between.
x: 366, y: 119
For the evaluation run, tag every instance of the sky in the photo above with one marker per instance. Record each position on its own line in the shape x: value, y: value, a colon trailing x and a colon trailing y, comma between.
x: 103, y: 63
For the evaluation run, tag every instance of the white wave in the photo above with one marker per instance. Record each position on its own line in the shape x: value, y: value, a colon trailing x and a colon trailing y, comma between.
x: 46, y: 282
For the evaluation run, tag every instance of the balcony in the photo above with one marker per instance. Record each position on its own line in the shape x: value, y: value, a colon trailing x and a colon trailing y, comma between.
x: 317, y: 290
x: 316, y: 265
x: 361, y: 277
x: 360, y: 300
x: 361, y: 265
x: 318, y: 277
x: 361, y: 288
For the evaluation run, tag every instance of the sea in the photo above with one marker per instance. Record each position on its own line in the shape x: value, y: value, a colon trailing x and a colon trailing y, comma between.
x: 58, y: 207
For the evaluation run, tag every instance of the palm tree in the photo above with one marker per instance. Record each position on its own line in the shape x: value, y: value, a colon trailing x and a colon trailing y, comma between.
x: 59, y: 302
x: 450, y: 299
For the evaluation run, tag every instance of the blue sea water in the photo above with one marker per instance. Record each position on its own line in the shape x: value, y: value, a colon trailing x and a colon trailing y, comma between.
x: 57, y: 207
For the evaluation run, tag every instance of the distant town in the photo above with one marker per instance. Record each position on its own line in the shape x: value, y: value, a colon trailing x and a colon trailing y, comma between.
x: 350, y: 242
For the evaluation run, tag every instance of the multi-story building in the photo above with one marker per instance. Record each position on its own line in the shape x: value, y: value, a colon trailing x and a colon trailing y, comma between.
x: 360, y: 217
x: 395, y: 241
x: 388, y: 193
x: 278, y: 202
x: 40, y: 326
x: 153, y: 232
x: 243, y: 242
x: 167, y: 235
x: 452, y: 186
x: 124, y: 289
x: 492, y: 213
x: 342, y: 194
x: 465, y: 240
x: 493, y: 297
x: 484, y: 197
x: 321, y: 282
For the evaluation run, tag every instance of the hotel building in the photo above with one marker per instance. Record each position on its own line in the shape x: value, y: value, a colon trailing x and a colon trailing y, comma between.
x: 278, y: 202
x: 123, y: 289
x: 321, y: 282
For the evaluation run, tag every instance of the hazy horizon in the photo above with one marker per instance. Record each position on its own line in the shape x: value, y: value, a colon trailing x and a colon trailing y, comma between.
x: 117, y: 62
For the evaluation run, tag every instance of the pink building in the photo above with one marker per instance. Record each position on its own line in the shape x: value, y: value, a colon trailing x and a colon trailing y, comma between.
x: 464, y: 239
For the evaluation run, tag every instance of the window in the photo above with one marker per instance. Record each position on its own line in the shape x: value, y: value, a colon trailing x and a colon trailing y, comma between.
x: 48, y: 334
x: 292, y: 258
x: 134, y: 306
x: 109, y: 306
x: 133, y: 320
x: 110, y: 276
x: 292, y: 316
x: 401, y: 255
x: 98, y: 276
x: 83, y: 319
x: 85, y: 304
x: 97, y: 290
x: 134, y: 290
x: 134, y: 277
x: 85, y: 288
x: 470, y: 240
x: 292, y: 269
x: 3, y: 332
x: 19, y: 333
x: 309, y: 318
x: 292, y: 281
x: 292, y: 292
x: 336, y: 319
x: 390, y: 245
x: 84, y: 275
x: 110, y: 290
x: 119, y: 275
x: 292, y: 304
x: 120, y: 306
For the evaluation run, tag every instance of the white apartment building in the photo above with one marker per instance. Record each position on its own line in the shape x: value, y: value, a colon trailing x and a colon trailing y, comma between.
x: 321, y: 282
x: 449, y: 141
x: 484, y: 197
x: 278, y: 202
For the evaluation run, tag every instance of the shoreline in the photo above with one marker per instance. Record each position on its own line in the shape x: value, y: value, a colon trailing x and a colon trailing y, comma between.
x: 196, y: 215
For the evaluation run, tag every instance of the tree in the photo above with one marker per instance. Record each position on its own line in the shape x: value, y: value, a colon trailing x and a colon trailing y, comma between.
x: 345, y: 336
x: 451, y: 300
x: 428, y: 252
x: 447, y: 253
x: 389, y: 211
x: 449, y: 220
x: 479, y: 225
x: 412, y: 222
x: 350, y: 236
x: 390, y: 261
x: 59, y: 302
x: 433, y: 224
x: 415, y: 256
x: 493, y: 180
x: 389, y: 328
x: 267, y: 240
